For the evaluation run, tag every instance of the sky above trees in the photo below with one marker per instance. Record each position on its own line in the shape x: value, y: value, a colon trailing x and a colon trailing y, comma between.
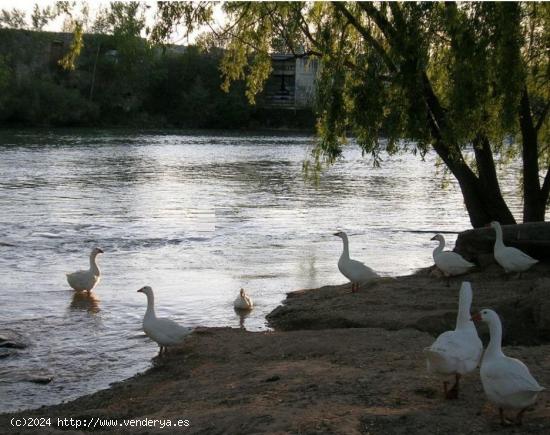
x: 94, y: 7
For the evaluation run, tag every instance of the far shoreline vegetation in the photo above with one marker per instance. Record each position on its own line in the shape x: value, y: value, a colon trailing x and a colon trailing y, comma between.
x: 126, y: 84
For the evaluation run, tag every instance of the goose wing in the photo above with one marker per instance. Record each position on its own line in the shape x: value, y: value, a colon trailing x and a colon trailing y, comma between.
x: 81, y: 280
x: 454, y: 260
x: 166, y: 332
x: 517, y: 258
x: 356, y: 271
x: 458, y: 351
x: 510, y: 376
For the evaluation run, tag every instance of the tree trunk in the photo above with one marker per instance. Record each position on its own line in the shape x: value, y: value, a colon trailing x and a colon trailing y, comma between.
x: 483, y: 201
x: 534, y: 200
x: 482, y: 196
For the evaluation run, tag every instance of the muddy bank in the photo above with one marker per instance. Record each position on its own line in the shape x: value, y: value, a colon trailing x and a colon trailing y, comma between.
x: 340, y: 381
x: 425, y: 303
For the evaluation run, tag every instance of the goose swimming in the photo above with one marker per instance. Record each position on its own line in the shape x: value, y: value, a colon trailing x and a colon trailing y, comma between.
x: 506, y: 381
x: 86, y: 279
x: 511, y: 259
x: 449, y: 262
x: 243, y: 301
x: 164, y: 331
x: 354, y: 270
x: 456, y: 352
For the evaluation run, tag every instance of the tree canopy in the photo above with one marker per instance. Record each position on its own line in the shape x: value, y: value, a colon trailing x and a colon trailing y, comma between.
x: 468, y: 80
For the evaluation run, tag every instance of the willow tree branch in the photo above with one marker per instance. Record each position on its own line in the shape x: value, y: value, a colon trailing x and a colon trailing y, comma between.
x: 380, y: 20
x: 365, y: 33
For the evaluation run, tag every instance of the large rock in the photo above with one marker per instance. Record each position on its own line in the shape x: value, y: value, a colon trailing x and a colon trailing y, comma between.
x: 532, y: 238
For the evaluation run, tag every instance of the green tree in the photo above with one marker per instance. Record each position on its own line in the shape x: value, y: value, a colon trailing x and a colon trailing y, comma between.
x: 14, y: 19
x: 41, y: 16
x: 468, y: 80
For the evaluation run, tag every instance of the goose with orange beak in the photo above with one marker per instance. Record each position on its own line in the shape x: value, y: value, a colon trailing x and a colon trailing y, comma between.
x: 448, y: 262
x: 511, y: 259
x: 507, y: 382
x: 357, y: 272
x: 86, y: 280
x: 456, y: 352
x: 164, y: 331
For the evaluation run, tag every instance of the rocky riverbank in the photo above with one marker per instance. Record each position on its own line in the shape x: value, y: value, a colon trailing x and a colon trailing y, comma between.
x: 339, y: 363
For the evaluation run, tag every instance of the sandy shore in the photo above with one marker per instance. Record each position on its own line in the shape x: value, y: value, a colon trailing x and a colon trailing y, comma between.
x: 339, y: 363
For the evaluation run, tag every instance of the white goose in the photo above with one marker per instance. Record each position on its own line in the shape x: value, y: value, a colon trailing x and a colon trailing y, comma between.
x: 86, y: 279
x: 164, y: 331
x: 449, y: 262
x: 456, y: 352
x: 354, y: 270
x: 510, y: 258
x: 507, y: 381
x: 243, y: 301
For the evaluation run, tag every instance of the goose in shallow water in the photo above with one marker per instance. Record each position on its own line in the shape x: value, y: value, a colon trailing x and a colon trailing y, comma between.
x: 511, y: 259
x: 449, y: 262
x: 506, y: 381
x: 354, y: 270
x: 456, y: 352
x: 86, y: 279
x: 243, y: 301
x: 164, y: 331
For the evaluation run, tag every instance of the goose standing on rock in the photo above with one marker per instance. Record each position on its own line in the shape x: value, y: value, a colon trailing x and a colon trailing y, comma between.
x: 243, y: 301
x: 507, y: 381
x: 164, y: 331
x: 449, y: 262
x: 354, y: 270
x: 86, y: 279
x: 511, y: 259
x: 456, y: 352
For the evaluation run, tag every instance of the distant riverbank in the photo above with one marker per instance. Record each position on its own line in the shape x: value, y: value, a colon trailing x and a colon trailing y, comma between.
x: 331, y: 379
x: 114, y: 86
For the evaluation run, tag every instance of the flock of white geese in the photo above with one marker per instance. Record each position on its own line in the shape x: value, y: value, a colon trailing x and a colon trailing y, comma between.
x: 506, y: 381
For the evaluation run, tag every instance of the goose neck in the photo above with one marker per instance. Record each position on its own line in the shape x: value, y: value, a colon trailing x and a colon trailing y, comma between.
x: 93, y: 264
x: 499, y: 243
x: 345, y: 252
x: 150, y: 313
x: 439, y: 247
x: 495, y: 344
x: 463, y: 318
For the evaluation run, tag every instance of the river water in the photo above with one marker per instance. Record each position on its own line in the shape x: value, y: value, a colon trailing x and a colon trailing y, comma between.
x: 195, y: 216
